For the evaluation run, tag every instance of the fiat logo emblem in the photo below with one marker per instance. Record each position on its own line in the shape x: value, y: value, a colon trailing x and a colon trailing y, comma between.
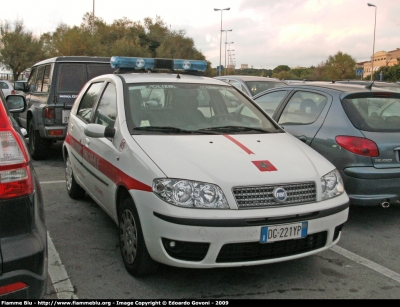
x: 279, y: 194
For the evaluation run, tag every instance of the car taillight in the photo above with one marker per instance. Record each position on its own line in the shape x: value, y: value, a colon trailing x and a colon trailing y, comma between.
x: 15, y: 173
x: 357, y: 145
x: 49, y: 113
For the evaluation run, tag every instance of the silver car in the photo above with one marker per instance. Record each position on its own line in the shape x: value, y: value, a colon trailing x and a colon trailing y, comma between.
x: 355, y: 127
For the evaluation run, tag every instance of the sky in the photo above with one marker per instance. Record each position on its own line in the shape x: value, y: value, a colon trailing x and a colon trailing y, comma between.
x: 265, y: 33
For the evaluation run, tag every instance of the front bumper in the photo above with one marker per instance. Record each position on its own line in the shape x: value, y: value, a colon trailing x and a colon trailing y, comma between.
x: 209, y: 237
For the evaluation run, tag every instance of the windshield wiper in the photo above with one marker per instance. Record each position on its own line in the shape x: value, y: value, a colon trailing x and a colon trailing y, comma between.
x: 234, y: 129
x: 171, y: 130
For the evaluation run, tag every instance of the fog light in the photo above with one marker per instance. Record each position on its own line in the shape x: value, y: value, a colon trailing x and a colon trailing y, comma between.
x: 172, y: 244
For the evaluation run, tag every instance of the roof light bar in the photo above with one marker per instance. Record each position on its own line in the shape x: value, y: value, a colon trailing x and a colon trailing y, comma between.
x: 158, y: 64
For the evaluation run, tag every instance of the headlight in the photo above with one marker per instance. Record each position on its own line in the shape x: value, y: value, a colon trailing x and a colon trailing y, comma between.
x: 332, y: 185
x: 190, y: 194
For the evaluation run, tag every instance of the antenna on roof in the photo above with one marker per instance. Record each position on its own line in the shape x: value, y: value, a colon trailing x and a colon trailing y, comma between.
x: 369, y: 86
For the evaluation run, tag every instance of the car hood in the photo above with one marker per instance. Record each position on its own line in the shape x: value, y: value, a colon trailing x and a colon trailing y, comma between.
x: 235, y: 159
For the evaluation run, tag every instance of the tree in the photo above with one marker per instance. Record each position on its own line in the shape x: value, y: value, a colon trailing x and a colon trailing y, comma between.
x: 340, y: 66
x: 280, y: 68
x: 19, y: 49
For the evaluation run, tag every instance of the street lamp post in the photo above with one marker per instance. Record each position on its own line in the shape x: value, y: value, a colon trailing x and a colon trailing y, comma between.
x: 229, y: 56
x: 373, y: 45
x: 225, y: 50
x: 226, y: 38
x: 220, y: 38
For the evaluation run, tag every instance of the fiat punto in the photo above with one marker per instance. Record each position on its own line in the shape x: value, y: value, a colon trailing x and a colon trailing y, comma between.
x: 194, y: 173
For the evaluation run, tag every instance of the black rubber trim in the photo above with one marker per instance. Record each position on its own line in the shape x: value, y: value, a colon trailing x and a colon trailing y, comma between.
x: 250, y: 222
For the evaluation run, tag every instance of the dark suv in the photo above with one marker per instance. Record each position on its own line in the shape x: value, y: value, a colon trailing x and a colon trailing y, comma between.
x: 23, y: 233
x: 51, y: 90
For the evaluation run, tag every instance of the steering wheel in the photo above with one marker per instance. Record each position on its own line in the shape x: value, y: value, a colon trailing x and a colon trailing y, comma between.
x: 220, y: 118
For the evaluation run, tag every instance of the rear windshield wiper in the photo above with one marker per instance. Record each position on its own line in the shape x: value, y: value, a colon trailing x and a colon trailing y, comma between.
x: 170, y: 130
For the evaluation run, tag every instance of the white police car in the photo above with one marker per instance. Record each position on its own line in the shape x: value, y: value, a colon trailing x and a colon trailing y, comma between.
x: 194, y: 173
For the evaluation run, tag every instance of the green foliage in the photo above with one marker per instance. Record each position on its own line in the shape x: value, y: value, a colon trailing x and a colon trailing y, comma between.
x: 340, y: 66
x: 390, y: 73
x: 280, y: 68
x: 19, y: 49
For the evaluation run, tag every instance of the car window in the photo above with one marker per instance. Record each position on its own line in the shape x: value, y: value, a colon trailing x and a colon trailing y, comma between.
x: 39, y: 79
x: 4, y: 86
x: 97, y: 69
x: 374, y: 113
x: 193, y: 107
x: 261, y: 86
x: 270, y: 101
x: 71, y: 77
x: 46, y: 79
x: 303, y: 108
x: 88, y: 100
x: 32, y: 79
x: 106, y: 112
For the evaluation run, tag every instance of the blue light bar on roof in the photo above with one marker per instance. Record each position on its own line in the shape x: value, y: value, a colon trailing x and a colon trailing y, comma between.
x: 150, y: 63
x: 194, y: 65
x: 131, y: 62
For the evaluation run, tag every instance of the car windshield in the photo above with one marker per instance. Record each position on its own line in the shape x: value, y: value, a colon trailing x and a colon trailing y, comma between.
x: 374, y: 113
x: 192, y: 108
x: 260, y: 86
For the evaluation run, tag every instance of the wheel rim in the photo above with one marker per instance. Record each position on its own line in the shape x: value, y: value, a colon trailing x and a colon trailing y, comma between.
x: 128, y: 236
x: 68, y: 174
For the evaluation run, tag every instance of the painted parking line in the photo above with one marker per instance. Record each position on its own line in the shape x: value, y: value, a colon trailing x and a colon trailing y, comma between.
x: 58, y: 274
x: 370, y: 264
x: 51, y: 182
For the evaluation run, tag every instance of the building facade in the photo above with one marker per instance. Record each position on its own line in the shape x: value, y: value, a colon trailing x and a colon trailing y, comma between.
x: 380, y: 58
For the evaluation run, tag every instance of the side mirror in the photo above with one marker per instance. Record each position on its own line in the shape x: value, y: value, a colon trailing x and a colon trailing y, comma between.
x: 99, y: 131
x: 20, y: 86
x: 16, y: 103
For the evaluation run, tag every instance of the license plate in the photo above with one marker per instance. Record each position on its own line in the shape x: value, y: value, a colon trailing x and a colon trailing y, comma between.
x: 283, y: 232
x: 65, y: 116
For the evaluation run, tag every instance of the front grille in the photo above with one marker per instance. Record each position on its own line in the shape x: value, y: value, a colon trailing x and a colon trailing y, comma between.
x: 253, y: 251
x: 262, y: 196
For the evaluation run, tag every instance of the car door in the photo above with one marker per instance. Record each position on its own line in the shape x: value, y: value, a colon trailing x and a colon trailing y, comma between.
x: 99, y: 153
x: 303, y: 112
x: 76, y: 137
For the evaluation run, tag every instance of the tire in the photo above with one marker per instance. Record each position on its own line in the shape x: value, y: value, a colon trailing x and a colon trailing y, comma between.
x: 134, y: 253
x: 75, y: 191
x: 38, y: 147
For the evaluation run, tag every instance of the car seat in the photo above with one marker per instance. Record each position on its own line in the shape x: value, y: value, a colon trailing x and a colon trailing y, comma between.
x: 139, y: 115
x: 308, y: 106
x: 185, y: 104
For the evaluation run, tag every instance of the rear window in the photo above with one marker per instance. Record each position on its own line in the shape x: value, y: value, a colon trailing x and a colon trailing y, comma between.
x: 73, y: 76
x: 261, y: 86
x: 95, y: 70
x: 380, y: 114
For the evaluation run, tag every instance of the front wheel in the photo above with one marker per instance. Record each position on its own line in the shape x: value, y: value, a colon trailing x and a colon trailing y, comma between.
x: 134, y: 253
x: 39, y: 148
